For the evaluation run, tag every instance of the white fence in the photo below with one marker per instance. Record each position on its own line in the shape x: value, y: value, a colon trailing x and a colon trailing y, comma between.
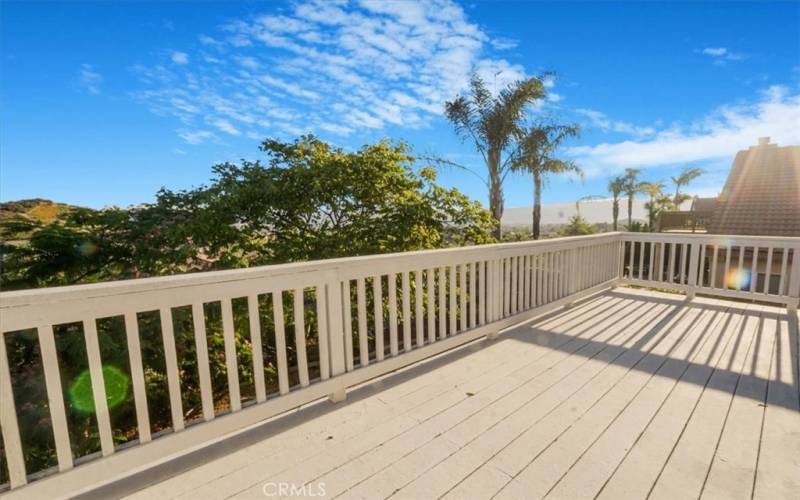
x: 371, y: 315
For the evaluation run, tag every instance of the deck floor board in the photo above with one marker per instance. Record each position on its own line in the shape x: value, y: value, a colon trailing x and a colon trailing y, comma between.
x: 629, y: 394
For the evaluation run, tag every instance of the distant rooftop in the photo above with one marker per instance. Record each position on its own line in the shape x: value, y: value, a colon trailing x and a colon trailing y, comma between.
x: 762, y: 193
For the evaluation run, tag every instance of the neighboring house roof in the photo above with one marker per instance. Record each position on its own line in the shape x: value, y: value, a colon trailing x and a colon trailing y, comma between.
x: 762, y: 194
x: 704, y: 204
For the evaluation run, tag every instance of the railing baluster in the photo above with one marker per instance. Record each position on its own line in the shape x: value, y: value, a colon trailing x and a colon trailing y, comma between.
x: 9, y: 427
x: 740, y: 269
x: 684, y: 262
x: 506, y: 263
x: 322, y: 334
x: 393, y: 342
x: 462, y: 295
x: 482, y: 292
x: 55, y: 396
x: 347, y: 317
x: 630, y: 259
x: 442, y: 284
x: 231, y: 363
x: 203, y: 366
x: 300, y: 334
x: 280, y: 338
x: 377, y: 296
x: 784, y: 265
x: 335, y: 322
x: 768, y: 271
x: 662, y: 247
x: 671, y: 270
x: 451, y: 274
x: 726, y: 276
x: 641, y: 259
x: 712, y: 279
x: 651, y: 260
x: 431, y: 309
x: 754, y: 271
x: 701, y: 271
x: 254, y: 320
x: 363, y: 338
x: 794, y: 282
x: 473, y: 285
x: 98, y: 386
x: 419, y: 318
x: 137, y: 376
x: 406, y: 311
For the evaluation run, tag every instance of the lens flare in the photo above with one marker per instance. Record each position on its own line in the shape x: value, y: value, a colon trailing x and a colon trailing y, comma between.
x: 82, y: 397
x: 737, y: 279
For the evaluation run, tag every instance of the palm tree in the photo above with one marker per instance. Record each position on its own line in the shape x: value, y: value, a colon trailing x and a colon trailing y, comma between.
x: 631, y: 187
x: 616, y: 186
x: 686, y: 176
x: 655, y: 191
x: 492, y: 122
x: 537, y: 146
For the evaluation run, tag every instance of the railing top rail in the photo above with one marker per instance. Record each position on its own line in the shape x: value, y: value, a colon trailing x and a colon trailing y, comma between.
x: 296, y: 269
x: 721, y: 239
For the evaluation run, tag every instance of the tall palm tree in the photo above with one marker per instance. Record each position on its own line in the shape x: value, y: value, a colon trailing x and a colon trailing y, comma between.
x: 655, y: 190
x: 535, y: 155
x: 616, y: 186
x: 492, y: 123
x: 686, y: 176
x: 631, y: 183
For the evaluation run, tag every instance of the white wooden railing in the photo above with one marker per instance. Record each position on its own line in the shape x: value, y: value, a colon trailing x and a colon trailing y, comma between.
x: 743, y: 267
x: 372, y: 314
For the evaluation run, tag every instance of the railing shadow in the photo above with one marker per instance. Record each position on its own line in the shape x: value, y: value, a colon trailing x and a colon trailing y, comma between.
x: 744, y: 382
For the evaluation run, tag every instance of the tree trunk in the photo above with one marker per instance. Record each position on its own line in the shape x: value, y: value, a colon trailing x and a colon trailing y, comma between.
x: 630, y: 211
x: 495, y: 192
x: 615, y: 212
x: 537, y: 205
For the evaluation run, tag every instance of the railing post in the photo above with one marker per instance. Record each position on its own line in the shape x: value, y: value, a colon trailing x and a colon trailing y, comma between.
x: 694, y: 263
x: 333, y: 292
x: 794, y: 281
x: 620, y: 259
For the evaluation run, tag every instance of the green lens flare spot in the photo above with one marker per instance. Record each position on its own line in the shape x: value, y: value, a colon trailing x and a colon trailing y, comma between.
x: 81, y: 395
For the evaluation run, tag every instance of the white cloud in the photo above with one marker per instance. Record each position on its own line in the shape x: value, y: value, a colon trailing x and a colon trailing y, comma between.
x: 600, y: 120
x: 181, y: 58
x: 715, y: 51
x: 196, y: 137
x: 719, y: 135
x: 721, y: 55
x: 337, y: 67
x: 90, y: 79
x: 225, y: 126
x: 178, y: 151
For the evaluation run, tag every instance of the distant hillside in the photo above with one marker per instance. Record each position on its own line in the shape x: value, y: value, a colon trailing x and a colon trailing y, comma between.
x: 36, y: 208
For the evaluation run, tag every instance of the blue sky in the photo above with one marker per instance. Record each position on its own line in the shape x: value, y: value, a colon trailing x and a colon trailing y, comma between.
x: 106, y: 102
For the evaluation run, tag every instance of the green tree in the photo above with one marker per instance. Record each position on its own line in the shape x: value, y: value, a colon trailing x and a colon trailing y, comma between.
x: 686, y: 176
x: 577, y: 226
x: 309, y: 201
x: 655, y: 191
x: 631, y: 187
x: 616, y: 187
x: 536, y: 155
x: 492, y: 122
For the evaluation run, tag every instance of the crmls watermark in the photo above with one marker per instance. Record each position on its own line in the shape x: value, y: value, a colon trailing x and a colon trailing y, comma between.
x: 312, y: 490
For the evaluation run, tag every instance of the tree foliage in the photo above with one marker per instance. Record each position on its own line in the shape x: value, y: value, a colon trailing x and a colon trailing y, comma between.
x: 577, y: 226
x: 492, y: 123
x: 536, y: 156
x: 307, y: 201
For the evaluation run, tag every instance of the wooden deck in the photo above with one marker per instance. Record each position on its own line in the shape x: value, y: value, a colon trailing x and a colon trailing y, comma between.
x: 630, y: 394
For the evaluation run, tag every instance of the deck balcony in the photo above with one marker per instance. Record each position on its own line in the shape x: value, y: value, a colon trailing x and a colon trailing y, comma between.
x: 620, y: 365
